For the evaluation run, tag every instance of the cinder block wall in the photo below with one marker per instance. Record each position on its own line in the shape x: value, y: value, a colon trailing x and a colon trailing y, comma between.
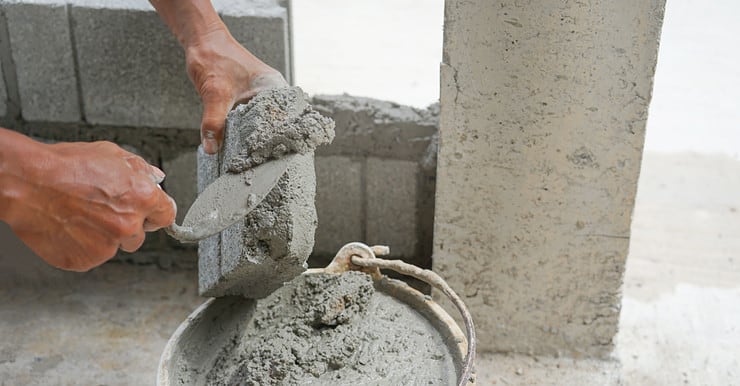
x: 105, y: 70
x: 542, y: 126
x: 110, y: 70
x: 375, y: 182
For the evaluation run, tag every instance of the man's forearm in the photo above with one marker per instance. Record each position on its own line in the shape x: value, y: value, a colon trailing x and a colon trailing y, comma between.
x: 189, y: 20
x: 222, y: 70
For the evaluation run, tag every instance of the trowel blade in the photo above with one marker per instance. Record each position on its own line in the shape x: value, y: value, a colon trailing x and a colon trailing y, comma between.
x: 229, y: 199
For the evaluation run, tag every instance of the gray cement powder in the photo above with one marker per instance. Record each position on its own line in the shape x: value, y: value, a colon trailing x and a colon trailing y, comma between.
x: 329, y: 329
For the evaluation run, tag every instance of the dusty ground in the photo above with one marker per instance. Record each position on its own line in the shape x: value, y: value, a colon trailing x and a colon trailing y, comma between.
x: 105, y: 327
x: 680, y: 319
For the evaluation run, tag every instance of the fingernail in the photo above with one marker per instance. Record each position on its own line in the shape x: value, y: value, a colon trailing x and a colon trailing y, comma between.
x: 210, y: 145
x: 158, y: 174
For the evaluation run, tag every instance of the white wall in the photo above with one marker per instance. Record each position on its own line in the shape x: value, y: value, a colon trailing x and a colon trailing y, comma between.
x: 385, y: 49
x: 391, y: 49
x: 696, y: 101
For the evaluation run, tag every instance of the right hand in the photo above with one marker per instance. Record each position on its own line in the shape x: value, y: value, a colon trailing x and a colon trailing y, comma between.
x: 76, y: 204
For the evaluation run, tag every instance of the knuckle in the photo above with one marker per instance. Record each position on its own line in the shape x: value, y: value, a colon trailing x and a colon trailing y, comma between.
x: 108, y: 146
x: 215, y: 87
x: 125, y: 228
x: 211, y: 126
x: 129, y: 230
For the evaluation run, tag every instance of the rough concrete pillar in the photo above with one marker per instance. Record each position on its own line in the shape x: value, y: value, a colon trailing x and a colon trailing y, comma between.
x: 542, y: 125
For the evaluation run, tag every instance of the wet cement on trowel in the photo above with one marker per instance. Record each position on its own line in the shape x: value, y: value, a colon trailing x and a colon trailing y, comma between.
x: 328, y: 329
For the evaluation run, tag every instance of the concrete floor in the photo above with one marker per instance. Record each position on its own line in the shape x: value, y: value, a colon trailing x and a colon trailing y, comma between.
x: 105, y: 327
x: 678, y: 325
x: 681, y: 305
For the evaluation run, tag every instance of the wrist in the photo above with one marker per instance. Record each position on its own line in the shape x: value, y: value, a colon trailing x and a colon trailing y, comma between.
x: 196, y: 34
x: 21, y: 159
x: 191, y: 21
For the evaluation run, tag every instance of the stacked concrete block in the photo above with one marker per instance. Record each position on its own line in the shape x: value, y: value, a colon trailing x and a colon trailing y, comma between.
x: 371, y: 127
x: 132, y: 69
x: 375, y: 168
x: 541, y: 134
x: 391, y: 206
x: 339, y: 203
x: 43, y: 56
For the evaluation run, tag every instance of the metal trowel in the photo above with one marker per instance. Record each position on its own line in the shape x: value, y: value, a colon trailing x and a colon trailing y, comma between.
x: 227, y: 200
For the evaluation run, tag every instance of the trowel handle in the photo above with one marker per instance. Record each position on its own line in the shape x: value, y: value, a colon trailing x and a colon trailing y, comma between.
x: 183, y: 234
x: 436, y: 281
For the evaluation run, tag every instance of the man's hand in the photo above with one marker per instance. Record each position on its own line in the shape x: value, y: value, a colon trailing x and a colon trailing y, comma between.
x: 224, y: 73
x: 76, y: 204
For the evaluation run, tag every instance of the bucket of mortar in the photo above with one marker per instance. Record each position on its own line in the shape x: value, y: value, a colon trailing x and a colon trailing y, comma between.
x: 194, y: 347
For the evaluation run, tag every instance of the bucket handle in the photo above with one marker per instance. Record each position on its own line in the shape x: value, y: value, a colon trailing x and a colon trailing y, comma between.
x: 436, y: 281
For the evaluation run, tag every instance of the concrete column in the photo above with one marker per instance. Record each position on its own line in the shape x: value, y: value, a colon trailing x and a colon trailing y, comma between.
x: 543, y: 117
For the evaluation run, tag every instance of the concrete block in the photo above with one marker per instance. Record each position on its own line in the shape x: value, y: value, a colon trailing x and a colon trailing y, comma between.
x: 339, y: 203
x: 132, y: 69
x: 392, y: 205
x: 208, y: 168
x: 265, y: 246
x: 3, y: 94
x: 209, y: 250
x: 271, y: 245
x: 181, y: 182
x: 370, y: 127
x: 41, y: 48
x: 542, y: 127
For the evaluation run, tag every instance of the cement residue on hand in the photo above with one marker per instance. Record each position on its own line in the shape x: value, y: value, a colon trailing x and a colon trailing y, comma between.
x: 274, y: 123
x: 334, y: 330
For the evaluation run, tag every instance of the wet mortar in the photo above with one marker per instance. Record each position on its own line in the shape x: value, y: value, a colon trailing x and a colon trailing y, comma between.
x: 271, y: 245
x: 274, y: 123
x: 332, y: 329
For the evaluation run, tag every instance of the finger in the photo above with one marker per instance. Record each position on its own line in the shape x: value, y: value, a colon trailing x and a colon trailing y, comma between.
x: 137, y: 163
x: 157, y: 174
x: 134, y: 242
x: 163, y: 213
x: 215, y: 108
x: 140, y: 165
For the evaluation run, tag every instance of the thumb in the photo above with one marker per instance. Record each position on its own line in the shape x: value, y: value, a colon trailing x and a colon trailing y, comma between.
x: 215, y: 108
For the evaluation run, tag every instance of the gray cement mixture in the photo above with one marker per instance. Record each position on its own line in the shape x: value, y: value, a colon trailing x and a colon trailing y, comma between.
x: 274, y: 123
x: 334, y: 330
